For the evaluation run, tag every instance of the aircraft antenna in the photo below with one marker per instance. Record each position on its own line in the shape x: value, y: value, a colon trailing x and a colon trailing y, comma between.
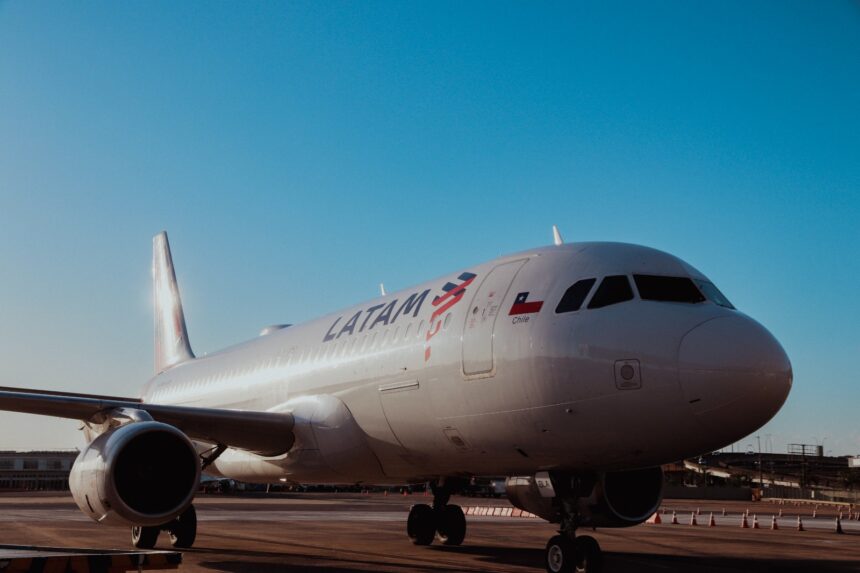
x: 382, y: 289
x: 556, y: 236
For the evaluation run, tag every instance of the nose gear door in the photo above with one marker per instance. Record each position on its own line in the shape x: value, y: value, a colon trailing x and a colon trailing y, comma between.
x: 481, y: 317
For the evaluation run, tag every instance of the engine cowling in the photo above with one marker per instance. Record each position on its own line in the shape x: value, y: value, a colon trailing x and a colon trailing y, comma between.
x: 143, y: 473
x: 609, y: 499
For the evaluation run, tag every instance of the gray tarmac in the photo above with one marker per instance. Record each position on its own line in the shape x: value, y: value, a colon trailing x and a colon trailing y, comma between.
x: 347, y: 533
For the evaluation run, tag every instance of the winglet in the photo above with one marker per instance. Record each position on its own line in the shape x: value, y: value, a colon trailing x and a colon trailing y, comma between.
x: 171, y: 337
x: 556, y: 236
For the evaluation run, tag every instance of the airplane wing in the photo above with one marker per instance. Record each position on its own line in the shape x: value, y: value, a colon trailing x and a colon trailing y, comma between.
x: 263, y: 433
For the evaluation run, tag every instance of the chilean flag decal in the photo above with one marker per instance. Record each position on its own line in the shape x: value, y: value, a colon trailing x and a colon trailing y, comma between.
x: 523, y: 307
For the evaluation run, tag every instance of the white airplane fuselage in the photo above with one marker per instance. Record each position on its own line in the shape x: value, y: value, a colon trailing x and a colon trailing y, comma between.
x: 491, y: 380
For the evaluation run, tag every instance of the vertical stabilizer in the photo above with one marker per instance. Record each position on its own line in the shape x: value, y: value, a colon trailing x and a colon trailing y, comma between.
x: 171, y: 338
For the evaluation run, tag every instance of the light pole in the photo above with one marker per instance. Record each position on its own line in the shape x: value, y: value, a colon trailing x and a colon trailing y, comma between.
x: 760, y: 467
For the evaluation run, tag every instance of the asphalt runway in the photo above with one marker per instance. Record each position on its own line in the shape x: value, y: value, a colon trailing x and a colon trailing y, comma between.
x: 347, y: 533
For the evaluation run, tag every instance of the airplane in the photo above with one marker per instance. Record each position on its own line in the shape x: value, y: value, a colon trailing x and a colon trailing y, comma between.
x: 576, y: 369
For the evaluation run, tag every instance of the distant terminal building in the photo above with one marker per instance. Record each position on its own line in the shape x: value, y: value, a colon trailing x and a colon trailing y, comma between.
x: 35, y: 471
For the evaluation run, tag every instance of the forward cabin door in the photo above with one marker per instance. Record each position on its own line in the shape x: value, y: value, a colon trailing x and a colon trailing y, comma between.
x: 481, y: 318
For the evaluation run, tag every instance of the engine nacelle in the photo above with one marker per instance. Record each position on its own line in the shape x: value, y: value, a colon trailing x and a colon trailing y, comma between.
x: 142, y: 473
x: 610, y: 499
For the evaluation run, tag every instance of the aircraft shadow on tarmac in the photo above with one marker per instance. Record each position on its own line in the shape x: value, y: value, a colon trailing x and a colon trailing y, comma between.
x: 615, y: 562
x: 628, y: 562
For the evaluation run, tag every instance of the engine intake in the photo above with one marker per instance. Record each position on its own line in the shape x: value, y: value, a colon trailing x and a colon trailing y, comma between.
x: 610, y: 499
x: 143, y: 473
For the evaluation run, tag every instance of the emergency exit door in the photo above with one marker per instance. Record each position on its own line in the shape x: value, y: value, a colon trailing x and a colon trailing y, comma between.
x: 481, y: 318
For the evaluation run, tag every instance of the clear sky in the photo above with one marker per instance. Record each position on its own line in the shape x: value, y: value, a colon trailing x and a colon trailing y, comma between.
x: 300, y: 153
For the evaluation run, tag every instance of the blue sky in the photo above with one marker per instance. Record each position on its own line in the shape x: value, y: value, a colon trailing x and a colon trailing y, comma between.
x: 299, y: 154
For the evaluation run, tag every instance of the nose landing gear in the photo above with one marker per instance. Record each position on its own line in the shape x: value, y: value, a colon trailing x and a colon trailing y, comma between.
x: 580, y: 554
x: 445, y: 522
x: 569, y: 553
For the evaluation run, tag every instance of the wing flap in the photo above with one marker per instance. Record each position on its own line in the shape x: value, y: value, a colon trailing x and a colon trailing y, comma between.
x: 263, y: 433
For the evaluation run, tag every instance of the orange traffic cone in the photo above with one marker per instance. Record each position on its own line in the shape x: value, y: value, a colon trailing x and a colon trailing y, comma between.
x: 839, y: 525
x: 385, y: 492
x: 744, y: 524
x: 674, y: 518
x: 693, y: 519
x: 755, y: 522
x: 711, y: 521
x: 773, y: 524
x: 799, y: 524
x: 657, y: 520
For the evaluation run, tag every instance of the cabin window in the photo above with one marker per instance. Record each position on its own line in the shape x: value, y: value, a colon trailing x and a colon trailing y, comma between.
x: 612, y: 290
x: 667, y: 289
x: 713, y: 294
x: 575, y: 296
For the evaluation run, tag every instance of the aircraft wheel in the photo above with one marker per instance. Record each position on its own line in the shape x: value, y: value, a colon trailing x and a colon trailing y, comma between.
x: 588, y: 556
x: 452, y: 525
x: 144, y: 537
x: 421, y: 524
x: 183, y: 530
x: 560, y: 555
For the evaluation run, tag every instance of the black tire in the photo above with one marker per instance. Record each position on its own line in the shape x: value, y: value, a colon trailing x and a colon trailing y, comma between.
x: 183, y: 530
x: 589, y: 557
x: 452, y: 525
x: 560, y: 556
x: 421, y: 524
x: 144, y: 537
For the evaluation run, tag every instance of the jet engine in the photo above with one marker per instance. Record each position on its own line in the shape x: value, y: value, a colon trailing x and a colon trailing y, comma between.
x: 140, y: 474
x: 608, y: 499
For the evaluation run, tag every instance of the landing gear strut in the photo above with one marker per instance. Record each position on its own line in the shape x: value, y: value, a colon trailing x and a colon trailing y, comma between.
x: 445, y: 522
x: 182, y: 532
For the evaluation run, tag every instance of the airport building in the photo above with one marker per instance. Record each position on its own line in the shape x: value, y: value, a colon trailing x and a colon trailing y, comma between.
x: 35, y: 471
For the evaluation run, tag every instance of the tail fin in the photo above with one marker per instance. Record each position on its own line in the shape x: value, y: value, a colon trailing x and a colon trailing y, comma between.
x: 171, y: 337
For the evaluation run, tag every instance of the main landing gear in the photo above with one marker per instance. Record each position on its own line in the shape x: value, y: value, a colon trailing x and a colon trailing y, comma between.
x: 182, y: 532
x: 443, y: 521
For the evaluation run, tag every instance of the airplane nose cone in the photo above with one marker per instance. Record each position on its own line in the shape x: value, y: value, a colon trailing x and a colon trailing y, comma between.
x: 734, y: 374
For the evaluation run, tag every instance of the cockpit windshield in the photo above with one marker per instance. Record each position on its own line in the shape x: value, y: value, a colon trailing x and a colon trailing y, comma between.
x: 616, y: 288
x: 714, y: 294
x: 667, y: 289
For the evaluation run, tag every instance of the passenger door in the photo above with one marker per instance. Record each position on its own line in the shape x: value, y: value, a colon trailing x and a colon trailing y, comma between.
x: 481, y: 318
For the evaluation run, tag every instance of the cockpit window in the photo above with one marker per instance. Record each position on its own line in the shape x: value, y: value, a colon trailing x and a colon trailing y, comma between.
x: 575, y: 296
x: 713, y: 293
x: 667, y: 289
x: 612, y: 290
